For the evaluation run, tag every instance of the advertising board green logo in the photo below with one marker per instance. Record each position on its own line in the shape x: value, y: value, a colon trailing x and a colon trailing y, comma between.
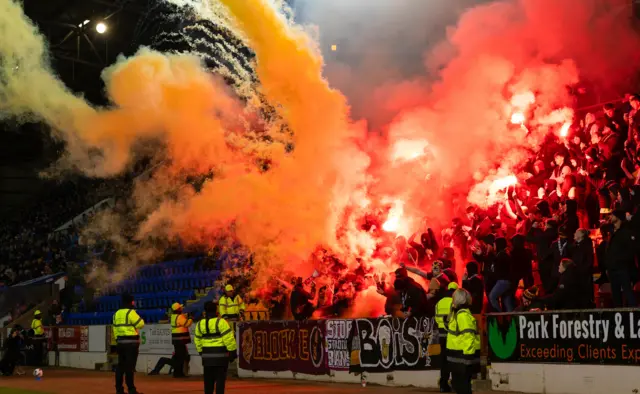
x: 503, y: 346
x: 143, y: 337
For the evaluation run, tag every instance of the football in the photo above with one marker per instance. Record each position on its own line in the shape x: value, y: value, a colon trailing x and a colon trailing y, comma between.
x: 37, y: 373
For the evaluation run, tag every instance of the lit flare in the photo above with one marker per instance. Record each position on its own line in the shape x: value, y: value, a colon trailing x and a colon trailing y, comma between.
x: 408, y: 150
x: 523, y: 100
x: 501, y: 184
x: 517, y: 118
x: 394, y: 220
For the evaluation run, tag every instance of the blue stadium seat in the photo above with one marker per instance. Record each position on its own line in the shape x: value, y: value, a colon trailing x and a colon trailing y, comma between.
x: 155, y: 288
x: 144, y: 300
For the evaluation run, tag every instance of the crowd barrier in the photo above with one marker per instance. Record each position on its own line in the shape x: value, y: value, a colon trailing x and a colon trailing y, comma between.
x: 69, y: 346
x: 563, y: 352
x: 386, y: 351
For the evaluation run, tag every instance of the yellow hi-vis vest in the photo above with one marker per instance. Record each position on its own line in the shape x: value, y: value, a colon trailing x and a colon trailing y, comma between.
x: 180, y: 324
x: 443, y: 308
x: 463, y: 339
x: 231, y: 307
x: 214, y: 339
x: 126, y: 323
x: 38, y: 330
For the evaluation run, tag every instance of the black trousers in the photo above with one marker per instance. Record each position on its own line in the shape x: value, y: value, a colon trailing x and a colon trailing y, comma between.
x: 461, y: 375
x: 9, y: 362
x: 621, y: 284
x: 39, y: 351
x: 585, y: 292
x: 445, y: 371
x: 545, y: 269
x: 162, y: 361
x: 127, y: 360
x: 215, y: 377
x: 181, y: 357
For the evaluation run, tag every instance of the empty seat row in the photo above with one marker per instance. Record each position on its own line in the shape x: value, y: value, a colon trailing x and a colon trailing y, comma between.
x: 150, y: 316
x: 138, y: 296
x: 173, y: 283
x: 145, y: 300
x: 190, y: 275
x: 167, y: 268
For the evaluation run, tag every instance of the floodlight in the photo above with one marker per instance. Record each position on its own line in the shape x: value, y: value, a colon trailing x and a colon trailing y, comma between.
x: 101, y: 28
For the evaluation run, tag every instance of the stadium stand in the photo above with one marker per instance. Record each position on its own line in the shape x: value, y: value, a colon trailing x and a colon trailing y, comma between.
x: 155, y: 288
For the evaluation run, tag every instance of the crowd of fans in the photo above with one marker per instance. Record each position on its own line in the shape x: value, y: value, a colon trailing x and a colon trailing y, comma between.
x: 32, y: 245
x: 579, y: 188
x: 568, y: 225
x: 36, y: 249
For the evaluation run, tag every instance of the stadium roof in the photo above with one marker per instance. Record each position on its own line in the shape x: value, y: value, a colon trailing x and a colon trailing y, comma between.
x: 78, y: 55
x: 79, y: 52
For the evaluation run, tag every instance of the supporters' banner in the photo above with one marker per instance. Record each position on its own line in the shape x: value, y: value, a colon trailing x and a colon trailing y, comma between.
x: 337, y: 336
x: 582, y: 337
x: 68, y: 338
x: 388, y: 344
x: 283, y: 346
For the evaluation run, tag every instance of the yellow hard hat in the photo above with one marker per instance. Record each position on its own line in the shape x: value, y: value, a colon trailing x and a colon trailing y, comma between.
x: 452, y: 286
x: 176, y: 306
x: 36, y: 313
x: 228, y: 288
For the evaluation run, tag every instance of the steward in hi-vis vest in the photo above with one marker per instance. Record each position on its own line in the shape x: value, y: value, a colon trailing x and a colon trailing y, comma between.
x: 180, y: 323
x: 126, y: 326
x: 443, y: 309
x: 216, y: 343
x: 230, y: 305
x: 39, y: 339
x: 463, y: 342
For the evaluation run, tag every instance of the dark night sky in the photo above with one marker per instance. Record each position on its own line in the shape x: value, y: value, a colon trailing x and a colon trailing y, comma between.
x: 27, y: 149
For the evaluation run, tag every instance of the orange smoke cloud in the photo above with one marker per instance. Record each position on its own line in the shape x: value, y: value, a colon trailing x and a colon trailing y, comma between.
x: 284, y: 213
x: 441, y: 144
x: 168, y: 97
x: 281, y: 215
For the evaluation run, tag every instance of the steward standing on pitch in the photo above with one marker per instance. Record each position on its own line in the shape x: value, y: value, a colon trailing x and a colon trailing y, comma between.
x: 443, y: 310
x: 126, y: 323
x: 463, y: 342
x: 39, y: 339
x: 216, y: 343
x: 180, y: 323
